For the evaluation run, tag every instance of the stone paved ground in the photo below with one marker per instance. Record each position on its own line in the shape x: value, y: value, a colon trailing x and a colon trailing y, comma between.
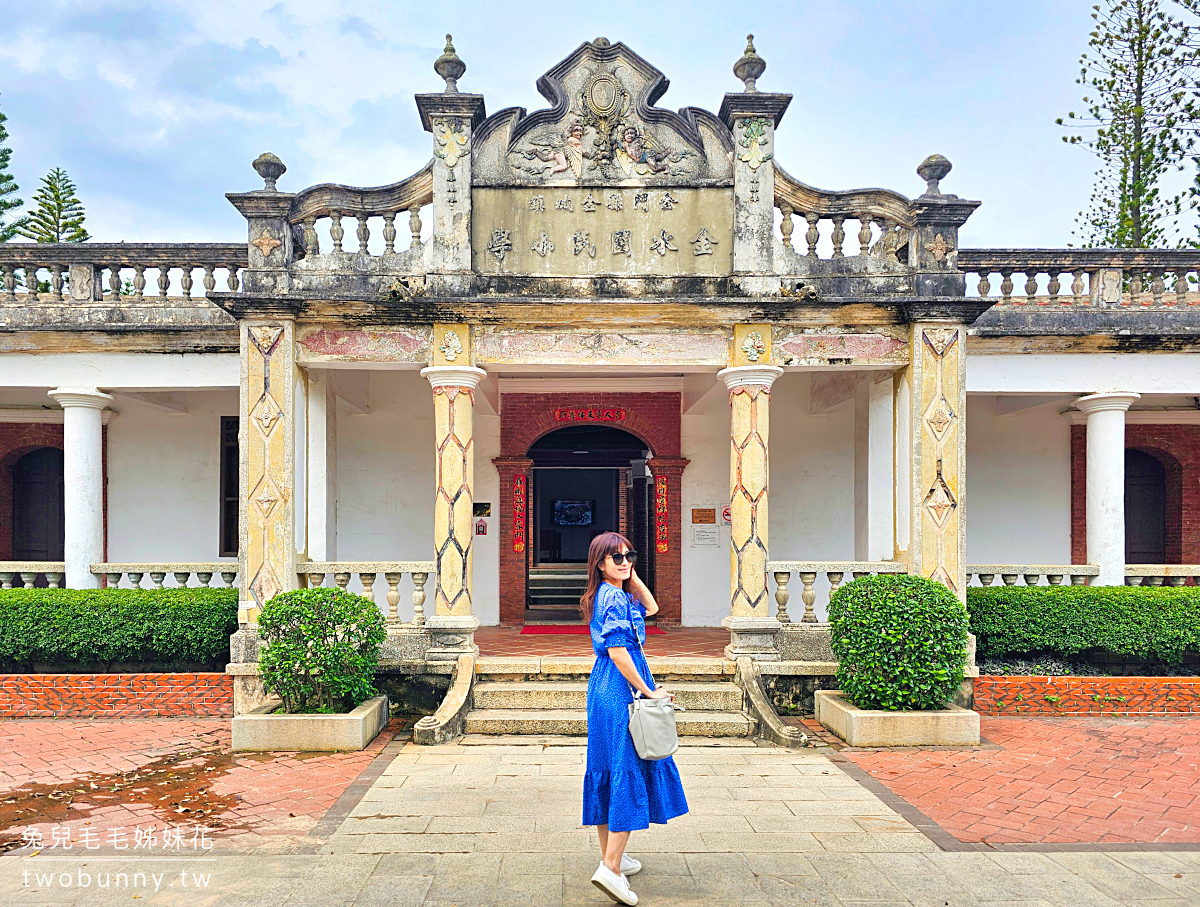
x: 476, y: 823
x: 1056, y: 780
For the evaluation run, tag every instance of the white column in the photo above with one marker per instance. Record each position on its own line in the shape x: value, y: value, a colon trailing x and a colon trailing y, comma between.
x: 83, y: 482
x: 874, y: 486
x: 1105, y: 502
x: 322, y: 467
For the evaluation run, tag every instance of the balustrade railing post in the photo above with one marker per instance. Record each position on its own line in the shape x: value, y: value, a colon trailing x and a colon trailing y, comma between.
x: 809, y: 597
x: 393, y: 596
x: 368, y: 584
x: 782, y: 595
x: 419, y: 580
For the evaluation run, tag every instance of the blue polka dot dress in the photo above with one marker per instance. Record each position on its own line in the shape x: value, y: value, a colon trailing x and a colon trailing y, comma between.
x: 619, y: 789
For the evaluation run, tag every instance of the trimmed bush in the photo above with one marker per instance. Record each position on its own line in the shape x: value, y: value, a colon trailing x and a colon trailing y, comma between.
x: 96, y: 628
x: 901, y: 642
x: 320, y: 649
x: 1152, y: 623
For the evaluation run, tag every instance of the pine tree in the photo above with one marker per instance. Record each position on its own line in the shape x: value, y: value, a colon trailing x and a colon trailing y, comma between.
x: 59, y: 215
x: 1143, y: 114
x: 8, y: 187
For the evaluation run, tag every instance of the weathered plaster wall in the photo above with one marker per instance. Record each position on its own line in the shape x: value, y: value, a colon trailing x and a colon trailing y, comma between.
x: 164, y: 478
x: 130, y: 371
x: 1018, y: 484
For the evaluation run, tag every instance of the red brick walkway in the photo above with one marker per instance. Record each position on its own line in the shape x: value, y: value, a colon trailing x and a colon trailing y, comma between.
x: 1057, y: 780
x: 171, y: 772
x: 705, y: 642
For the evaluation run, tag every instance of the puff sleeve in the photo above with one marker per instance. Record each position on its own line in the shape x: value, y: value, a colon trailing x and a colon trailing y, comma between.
x: 612, y: 628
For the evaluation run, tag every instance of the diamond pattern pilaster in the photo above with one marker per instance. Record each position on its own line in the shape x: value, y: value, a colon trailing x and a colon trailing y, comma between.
x: 749, y: 430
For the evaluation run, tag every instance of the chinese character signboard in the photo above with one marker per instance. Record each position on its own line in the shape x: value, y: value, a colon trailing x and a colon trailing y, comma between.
x: 592, y: 414
x: 662, y: 520
x: 519, y: 513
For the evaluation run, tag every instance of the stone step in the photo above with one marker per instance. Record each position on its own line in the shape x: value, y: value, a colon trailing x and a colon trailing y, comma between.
x: 579, y: 667
x: 544, y: 694
x: 573, y: 722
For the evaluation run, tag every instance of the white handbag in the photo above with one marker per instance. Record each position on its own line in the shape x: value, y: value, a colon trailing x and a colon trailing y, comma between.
x: 652, y: 727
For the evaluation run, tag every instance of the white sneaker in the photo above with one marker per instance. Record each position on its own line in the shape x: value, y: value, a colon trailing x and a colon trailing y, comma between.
x: 630, y: 866
x: 615, y: 885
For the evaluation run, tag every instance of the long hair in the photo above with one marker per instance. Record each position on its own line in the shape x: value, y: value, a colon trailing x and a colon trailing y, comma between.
x: 602, y: 546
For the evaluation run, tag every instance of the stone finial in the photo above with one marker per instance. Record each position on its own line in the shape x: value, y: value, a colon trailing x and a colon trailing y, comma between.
x: 601, y: 42
x: 749, y: 66
x: 933, y: 169
x: 270, y: 168
x: 450, y: 67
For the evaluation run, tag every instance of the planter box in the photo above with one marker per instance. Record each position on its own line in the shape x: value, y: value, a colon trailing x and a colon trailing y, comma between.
x: 950, y: 726
x: 1016, y: 695
x: 259, y: 732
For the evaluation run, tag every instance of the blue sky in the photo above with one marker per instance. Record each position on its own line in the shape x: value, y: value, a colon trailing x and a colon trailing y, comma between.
x: 156, y: 109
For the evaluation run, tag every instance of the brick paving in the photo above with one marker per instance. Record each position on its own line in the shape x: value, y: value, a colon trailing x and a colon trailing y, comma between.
x: 695, y: 642
x: 1056, y: 780
x: 141, y: 695
x: 176, y: 770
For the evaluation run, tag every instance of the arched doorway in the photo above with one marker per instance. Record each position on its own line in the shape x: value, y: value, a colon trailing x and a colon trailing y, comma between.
x: 38, y: 506
x: 1145, y: 508
x: 586, y: 479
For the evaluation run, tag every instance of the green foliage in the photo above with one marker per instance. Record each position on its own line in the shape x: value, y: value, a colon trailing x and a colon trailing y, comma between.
x: 59, y: 215
x: 1137, y: 621
x: 901, y: 642
x: 1142, y: 116
x: 320, y: 649
x: 78, y: 628
x: 8, y: 187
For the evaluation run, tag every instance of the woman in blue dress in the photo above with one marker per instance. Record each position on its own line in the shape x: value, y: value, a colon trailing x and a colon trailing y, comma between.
x: 621, y: 792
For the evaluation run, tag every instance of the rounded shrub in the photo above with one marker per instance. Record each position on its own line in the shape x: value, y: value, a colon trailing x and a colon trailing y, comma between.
x: 320, y: 649
x: 901, y: 642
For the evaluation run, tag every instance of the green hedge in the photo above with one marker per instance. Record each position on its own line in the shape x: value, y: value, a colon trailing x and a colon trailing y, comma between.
x: 76, y: 628
x: 1136, y: 621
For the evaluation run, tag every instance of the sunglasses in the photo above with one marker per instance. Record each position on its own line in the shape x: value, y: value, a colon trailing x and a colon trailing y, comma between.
x: 620, y: 558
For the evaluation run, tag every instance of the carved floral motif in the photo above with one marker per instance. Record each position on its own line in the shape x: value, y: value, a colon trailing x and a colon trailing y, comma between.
x: 451, y: 346
x: 755, y: 142
x: 266, y: 243
x: 449, y: 140
x: 754, y: 346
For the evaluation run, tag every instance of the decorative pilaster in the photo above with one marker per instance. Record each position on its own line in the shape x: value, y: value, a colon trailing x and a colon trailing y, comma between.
x: 752, y: 629
x: 453, y: 624
x: 83, y: 482
x: 515, y: 529
x: 267, y: 553
x: 1105, y: 494
x: 452, y: 117
x: 937, y: 402
x: 753, y: 117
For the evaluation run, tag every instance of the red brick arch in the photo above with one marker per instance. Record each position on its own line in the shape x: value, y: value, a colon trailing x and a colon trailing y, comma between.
x: 655, y: 418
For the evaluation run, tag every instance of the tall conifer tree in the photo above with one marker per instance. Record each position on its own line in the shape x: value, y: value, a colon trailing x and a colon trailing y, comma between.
x: 1140, y: 79
x: 59, y: 215
x: 8, y: 190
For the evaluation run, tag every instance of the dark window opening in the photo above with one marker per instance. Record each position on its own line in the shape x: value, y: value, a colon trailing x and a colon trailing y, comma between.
x: 229, y: 486
x: 38, y: 507
x: 1145, y: 509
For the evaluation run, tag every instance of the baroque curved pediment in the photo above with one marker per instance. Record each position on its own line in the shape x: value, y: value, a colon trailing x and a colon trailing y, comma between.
x: 602, y: 129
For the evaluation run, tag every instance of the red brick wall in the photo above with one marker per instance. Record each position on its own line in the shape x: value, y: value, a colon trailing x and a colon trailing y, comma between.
x: 1012, y: 696
x: 1177, y: 447
x: 208, y: 694
x: 655, y: 418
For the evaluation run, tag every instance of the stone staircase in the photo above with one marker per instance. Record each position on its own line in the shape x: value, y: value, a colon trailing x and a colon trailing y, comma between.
x: 547, y: 695
x: 554, y: 591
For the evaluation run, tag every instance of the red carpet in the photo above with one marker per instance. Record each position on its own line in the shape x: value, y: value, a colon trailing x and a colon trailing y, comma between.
x: 569, y: 630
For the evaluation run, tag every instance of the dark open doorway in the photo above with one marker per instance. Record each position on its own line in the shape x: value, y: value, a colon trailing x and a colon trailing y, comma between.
x: 1145, y: 509
x: 38, y: 510
x: 586, y: 480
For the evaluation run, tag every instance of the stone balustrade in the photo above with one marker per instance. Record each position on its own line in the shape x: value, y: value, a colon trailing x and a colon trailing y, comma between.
x: 1161, y: 574
x: 181, y: 573
x: 808, y: 571
x: 25, y: 574
x: 876, y: 220
x: 314, y: 573
x: 98, y: 271
x: 1033, y: 574
x: 1132, y: 278
x: 325, y: 213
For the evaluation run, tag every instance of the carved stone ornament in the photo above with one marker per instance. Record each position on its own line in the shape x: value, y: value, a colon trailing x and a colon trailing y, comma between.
x: 603, y: 128
x: 753, y: 346
x: 939, y: 247
x: 449, y: 140
x: 940, y: 339
x: 940, y: 501
x: 266, y: 243
x: 750, y: 66
x: 755, y: 142
x: 451, y: 346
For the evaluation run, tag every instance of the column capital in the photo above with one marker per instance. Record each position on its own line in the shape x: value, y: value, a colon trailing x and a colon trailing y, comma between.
x: 87, y: 397
x: 1110, y: 401
x: 467, y: 376
x: 517, y: 464
x: 667, y: 465
x: 749, y: 375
